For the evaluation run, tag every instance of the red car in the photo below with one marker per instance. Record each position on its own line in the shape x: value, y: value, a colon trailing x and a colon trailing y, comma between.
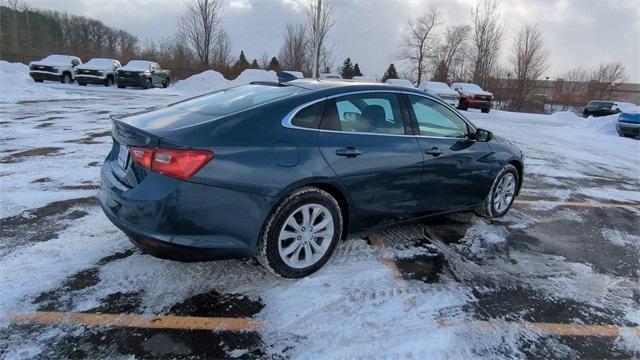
x: 472, y: 96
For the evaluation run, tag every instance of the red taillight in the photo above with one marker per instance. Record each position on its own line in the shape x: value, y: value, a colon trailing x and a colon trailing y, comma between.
x: 181, y: 164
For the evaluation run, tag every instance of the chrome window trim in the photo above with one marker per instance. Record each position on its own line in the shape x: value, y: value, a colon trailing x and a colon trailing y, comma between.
x: 286, y: 121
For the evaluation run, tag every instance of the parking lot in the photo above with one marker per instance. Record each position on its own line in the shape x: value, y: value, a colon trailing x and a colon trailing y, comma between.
x: 558, y: 277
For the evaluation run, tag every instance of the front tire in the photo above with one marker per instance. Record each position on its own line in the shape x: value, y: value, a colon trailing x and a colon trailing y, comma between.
x: 502, y: 193
x: 485, y: 110
x: 165, y: 83
x: 66, y: 78
x: 301, y: 235
x: 121, y: 86
x: 108, y: 82
x: 463, y: 106
x: 148, y: 84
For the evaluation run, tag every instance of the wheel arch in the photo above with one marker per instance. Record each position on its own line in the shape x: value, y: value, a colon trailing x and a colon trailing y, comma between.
x: 520, y: 167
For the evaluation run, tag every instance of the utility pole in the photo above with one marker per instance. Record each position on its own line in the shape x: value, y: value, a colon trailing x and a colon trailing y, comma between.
x: 316, y: 41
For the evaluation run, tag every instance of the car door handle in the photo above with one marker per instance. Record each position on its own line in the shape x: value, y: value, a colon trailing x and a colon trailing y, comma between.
x: 348, y: 152
x: 434, y: 151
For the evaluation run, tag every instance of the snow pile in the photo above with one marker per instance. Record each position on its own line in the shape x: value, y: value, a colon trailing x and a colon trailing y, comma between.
x: 16, y: 85
x: 211, y: 80
x: 201, y: 83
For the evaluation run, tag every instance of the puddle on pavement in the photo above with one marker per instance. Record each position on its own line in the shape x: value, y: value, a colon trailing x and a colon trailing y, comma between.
x: 43, y: 151
x: 214, y: 304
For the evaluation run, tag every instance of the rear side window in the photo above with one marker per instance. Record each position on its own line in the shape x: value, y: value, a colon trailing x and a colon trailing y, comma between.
x: 228, y: 101
x: 375, y: 113
x: 309, y: 117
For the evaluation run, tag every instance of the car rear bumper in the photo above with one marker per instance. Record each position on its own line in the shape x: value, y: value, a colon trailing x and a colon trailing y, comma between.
x: 40, y: 75
x: 87, y: 79
x: 628, y: 129
x: 184, y: 221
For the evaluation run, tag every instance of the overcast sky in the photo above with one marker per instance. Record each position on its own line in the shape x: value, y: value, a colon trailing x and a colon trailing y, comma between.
x: 576, y: 32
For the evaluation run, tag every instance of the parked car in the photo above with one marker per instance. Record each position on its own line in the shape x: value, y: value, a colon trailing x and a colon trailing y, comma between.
x: 142, y: 73
x: 97, y: 71
x: 598, y: 108
x: 441, y: 90
x: 364, y: 79
x: 282, y: 172
x: 628, y: 124
x: 400, y: 82
x: 54, y: 68
x: 327, y: 76
x: 472, y: 96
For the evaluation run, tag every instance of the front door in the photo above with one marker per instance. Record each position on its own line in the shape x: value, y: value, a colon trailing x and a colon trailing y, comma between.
x: 364, y: 139
x: 457, y: 171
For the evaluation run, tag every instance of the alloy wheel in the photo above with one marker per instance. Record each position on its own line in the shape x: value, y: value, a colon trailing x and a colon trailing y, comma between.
x: 504, y: 192
x: 306, y: 236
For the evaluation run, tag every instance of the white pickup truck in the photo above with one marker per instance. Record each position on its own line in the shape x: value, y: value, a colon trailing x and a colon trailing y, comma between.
x: 97, y: 71
x: 54, y: 68
x: 441, y: 90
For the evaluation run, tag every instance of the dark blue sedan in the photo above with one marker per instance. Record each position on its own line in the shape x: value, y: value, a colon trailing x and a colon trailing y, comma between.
x: 282, y: 172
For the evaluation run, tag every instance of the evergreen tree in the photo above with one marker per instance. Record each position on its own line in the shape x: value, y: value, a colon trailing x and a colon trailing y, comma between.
x: 274, y: 65
x: 254, y: 64
x: 347, y: 69
x: 242, y: 62
x: 391, y: 73
x: 442, y: 73
x: 356, y: 70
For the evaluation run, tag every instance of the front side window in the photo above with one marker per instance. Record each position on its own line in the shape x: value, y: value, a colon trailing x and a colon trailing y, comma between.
x: 377, y: 113
x: 434, y: 119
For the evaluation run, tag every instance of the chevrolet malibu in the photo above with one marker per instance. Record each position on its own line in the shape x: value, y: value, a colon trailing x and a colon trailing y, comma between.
x: 283, y: 172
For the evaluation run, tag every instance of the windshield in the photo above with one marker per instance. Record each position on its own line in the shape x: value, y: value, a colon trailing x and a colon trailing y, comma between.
x: 58, y: 58
x: 437, y: 85
x: 600, y: 104
x: 138, y: 64
x: 467, y: 87
x: 100, y: 62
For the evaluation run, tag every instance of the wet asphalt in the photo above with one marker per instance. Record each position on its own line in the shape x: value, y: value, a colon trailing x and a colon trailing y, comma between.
x: 574, y: 234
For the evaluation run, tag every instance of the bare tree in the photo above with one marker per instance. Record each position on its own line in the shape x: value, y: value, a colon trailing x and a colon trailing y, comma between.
x: 571, y: 88
x: 452, y: 48
x: 198, y: 27
x: 529, y: 61
x: 605, y: 77
x: 418, y: 42
x: 294, y: 54
x: 221, y: 54
x: 488, y: 35
x: 319, y: 22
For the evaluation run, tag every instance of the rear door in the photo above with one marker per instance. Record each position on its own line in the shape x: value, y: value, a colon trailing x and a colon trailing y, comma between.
x: 364, y: 137
x: 457, y: 171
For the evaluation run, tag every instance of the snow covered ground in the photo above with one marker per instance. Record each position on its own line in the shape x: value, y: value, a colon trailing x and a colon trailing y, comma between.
x: 455, y: 287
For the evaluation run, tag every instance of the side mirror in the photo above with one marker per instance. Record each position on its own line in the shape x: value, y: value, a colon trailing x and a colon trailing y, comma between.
x: 482, y: 135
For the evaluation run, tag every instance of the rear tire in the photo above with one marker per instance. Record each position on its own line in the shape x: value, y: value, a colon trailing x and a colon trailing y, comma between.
x: 501, y: 195
x: 38, y: 80
x: 165, y: 83
x: 463, y: 106
x: 82, y: 84
x: 121, y: 86
x: 485, y: 110
x: 288, y: 233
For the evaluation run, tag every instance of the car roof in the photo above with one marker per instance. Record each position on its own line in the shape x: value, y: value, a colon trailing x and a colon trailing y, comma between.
x: 336, y: 87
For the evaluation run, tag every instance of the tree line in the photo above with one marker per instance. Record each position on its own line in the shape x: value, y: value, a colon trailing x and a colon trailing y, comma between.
x: 429, y: 50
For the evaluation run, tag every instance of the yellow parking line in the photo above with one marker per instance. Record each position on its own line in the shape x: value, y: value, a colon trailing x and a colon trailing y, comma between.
x: 247, y: 324
x: 139, y: 321
x: 577, y: 204
x: 554, y: 328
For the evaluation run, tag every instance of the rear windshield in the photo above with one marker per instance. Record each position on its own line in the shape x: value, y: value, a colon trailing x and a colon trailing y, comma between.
x: 207, y: 107
x: 600, y: 104
x: 228, y: 101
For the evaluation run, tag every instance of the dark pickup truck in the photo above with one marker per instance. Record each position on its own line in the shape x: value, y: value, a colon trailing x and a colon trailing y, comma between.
x: 142, y: 73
